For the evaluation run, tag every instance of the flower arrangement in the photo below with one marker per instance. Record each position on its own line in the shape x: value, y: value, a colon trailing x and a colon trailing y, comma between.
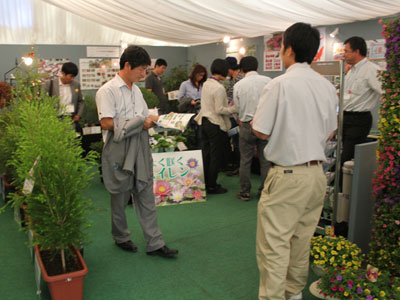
x: 162, y: 143
x: 348, y: 283
x: 335, y: 252
x: 385, y: 239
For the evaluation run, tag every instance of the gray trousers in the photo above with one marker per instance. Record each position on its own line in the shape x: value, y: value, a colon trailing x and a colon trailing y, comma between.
x: 247, y: 143
x: 146, y: 212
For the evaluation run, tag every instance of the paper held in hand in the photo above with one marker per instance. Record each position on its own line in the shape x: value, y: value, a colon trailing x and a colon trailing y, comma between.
x: 174, y: 121
x: 173, y: 95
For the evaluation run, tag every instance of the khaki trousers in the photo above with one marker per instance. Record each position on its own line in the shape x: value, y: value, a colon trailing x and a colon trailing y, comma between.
x: 288, y: 213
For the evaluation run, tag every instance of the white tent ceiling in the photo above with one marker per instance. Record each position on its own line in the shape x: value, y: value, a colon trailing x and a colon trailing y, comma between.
x: 191, y: 22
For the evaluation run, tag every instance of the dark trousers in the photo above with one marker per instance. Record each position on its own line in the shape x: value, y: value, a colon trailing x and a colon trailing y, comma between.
x: 356, y: 126
x: 247, y: 143
x: 233, y: 144
x: 213, y: 145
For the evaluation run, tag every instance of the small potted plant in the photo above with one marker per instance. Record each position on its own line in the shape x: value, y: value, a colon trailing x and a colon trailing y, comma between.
x: 348, y: 283
x: 334, y: 251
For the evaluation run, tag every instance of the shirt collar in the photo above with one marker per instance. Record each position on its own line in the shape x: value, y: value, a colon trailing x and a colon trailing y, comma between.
x: 359, y: 64
x: 120, y: 81
x: 251, y: 73
x: 295, y: 66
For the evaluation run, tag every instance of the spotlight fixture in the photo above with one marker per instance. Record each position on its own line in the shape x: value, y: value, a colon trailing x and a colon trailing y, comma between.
x: 27, y: 60
x: 124, y: 45
x: 227, y: 39
x: 334, y: 33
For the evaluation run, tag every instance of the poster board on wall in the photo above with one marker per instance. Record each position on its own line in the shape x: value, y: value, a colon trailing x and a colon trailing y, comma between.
x: 272, y: 47
x: 320, y: 56
x: 178, y: 177
x: 95, y: 72
x: 51, y: 67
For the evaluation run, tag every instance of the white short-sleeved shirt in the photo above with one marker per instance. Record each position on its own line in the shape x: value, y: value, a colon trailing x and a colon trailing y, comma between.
x: 298, y: 111
x: 246, y: 94
x: 66, y: 96
x: 115, y: 100
x: 362, y: 87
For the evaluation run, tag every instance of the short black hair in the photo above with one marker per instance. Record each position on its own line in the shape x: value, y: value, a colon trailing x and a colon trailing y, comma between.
x: 220, y: 67
x: 357, y: 43
x: 136, y: 56
x: 70, y: 68
x: 304, y: 41
x: 161, y: 62
x: 248, y: 63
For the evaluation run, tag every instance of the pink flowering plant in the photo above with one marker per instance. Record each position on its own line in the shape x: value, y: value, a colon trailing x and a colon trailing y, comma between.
x: 348, y: 283
x: 385, y: 240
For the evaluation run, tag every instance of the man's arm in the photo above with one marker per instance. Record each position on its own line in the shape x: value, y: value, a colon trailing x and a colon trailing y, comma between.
x: 148, y: 83
x: 258, y: 134
x: 81, y: 104
x: 107, y: 123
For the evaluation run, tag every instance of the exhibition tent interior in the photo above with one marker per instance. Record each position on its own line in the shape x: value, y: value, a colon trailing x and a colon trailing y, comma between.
x: 216, y: 238
x: 171, y: 22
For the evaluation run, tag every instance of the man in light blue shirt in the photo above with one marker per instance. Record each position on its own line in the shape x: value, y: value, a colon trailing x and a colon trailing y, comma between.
x: 246, y: 94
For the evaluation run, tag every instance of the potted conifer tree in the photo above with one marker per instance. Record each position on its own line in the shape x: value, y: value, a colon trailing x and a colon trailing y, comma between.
x: 49, y: 160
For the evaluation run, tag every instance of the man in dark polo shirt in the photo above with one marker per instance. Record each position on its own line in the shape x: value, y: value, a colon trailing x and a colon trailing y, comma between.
x: 154, y: 84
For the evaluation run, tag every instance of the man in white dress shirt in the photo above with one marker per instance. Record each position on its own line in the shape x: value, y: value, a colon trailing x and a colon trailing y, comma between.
x: 361, y: 94
x: 69, y: 92
x: 127, y: 163
x: 297, y: 113
x: 246, y: 94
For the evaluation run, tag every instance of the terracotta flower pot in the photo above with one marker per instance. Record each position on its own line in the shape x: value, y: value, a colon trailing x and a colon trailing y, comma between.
x: 65, y: 286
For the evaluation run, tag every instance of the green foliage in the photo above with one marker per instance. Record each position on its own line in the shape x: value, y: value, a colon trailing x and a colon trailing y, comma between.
x: 98, y: 148
x: 89, y: 115
x: 150, y: 98
x: 8, y: 140
x: 56, y: 209
x: 175, y: 77
x: 28, y: 86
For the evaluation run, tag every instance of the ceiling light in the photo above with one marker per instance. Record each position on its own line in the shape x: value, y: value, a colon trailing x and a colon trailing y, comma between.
x: 242, y: 50
x: 334, y: 33
x: 227, y: 39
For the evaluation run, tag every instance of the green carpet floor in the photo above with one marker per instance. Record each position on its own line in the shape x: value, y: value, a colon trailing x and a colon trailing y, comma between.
x: 216, y: 240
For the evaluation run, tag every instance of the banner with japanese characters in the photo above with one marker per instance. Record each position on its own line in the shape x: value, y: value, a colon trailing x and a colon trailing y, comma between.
x: 178, y: 177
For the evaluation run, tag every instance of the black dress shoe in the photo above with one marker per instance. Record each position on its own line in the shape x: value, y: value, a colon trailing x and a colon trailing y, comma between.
x: 216, y: 190
x: 164, y: 251
x: 127, y: 246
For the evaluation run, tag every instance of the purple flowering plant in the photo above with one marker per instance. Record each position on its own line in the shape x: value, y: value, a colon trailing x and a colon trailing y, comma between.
x: 348, y: 283
x: 385, y: 240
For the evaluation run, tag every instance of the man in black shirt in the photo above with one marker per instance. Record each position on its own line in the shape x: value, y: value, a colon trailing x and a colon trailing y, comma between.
x: 154, y: 84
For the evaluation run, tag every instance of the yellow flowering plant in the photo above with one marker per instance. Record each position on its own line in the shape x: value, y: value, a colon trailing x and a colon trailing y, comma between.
x: 335, y: 251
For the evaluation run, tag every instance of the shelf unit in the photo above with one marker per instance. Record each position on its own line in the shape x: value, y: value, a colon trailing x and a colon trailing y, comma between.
x: 334, y: 70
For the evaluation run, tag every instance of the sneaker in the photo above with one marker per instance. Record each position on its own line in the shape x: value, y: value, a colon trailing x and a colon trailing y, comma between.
x: 296, y: 297
x: 244, y: 196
